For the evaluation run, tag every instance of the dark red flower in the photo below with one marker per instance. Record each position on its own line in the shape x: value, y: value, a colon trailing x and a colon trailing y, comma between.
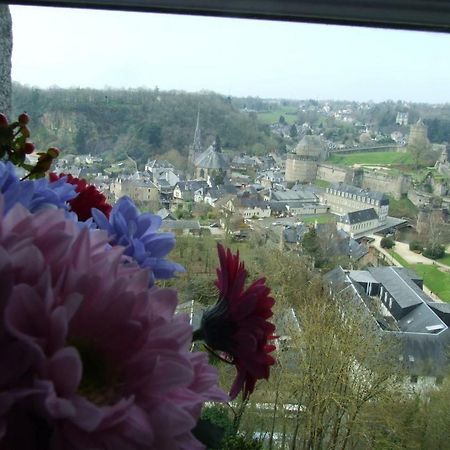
x: 88, y: 197
x: 237, y: 324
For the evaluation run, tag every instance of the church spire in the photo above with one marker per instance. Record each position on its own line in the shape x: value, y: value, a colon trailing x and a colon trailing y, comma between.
x: 197, y: 144
x: 196, y: 147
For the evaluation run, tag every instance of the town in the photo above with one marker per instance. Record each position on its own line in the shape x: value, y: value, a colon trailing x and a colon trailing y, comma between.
x: 359, y: 207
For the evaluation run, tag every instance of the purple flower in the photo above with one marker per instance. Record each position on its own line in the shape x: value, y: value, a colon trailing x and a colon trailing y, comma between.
x: 138, y: 233
x: 33, y: 195
x: 91, y: 358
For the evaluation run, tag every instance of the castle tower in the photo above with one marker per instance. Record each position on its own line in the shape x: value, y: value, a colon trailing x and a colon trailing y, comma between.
x: 418, y: 133
x: 301, y: 166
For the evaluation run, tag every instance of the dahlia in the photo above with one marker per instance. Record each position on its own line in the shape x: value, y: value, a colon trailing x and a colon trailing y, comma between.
x: 138, y: 233
x: 237, y: 324
x: 88, y: 197
x: 91, y: 358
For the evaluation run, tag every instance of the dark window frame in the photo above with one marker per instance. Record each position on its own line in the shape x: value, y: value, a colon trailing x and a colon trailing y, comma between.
x: 429, y: 15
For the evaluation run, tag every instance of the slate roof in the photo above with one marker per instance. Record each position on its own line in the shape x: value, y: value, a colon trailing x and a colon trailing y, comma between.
x: 423, y: 335
x: 159, y: 164
x: 243, y: 160
x: 294, y: 234
x: 191, y: 185
x: 221, y: 191
x: 303, y: 195
x: 212, y: 158
x: 375, y: 195
x: 404, y: 290
x: 362, y: 276
x: 364, y: 215
x: 180, y: 224
x: 442, y: 310
x: 421, y: 319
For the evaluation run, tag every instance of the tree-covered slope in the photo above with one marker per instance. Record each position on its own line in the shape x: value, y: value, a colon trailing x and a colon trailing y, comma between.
x: 138, y: 122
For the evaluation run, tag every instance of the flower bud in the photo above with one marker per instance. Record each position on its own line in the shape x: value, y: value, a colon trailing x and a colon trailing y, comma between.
x: 29, y: 148
x: 24, y: 118
x: 53, y: 152
x: 3, y: 120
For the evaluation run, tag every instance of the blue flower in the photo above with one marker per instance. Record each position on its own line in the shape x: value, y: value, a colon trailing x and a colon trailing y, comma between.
x: 33, y: 195
x: 138, y: 233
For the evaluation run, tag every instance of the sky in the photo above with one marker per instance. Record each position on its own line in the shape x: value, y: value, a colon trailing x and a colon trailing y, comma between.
x: 237, y: 57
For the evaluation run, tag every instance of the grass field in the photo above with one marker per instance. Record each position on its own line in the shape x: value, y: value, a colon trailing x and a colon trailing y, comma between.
x: 371, y: 158
x: 402, y: 208
x: 433, y: 278
x: 269, y: 117
x: 445, y: 260
x: 322, y: 183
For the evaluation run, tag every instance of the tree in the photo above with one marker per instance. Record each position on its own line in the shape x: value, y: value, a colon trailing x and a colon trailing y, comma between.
x: 5, y: 59
x: 293, y: 131
x: 343, y: 369
x: 386, y: 243
x: 419, y: 150
x: 282, y: 120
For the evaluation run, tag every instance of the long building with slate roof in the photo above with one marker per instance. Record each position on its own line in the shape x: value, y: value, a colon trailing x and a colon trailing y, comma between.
x: 393, y: 298
x: 344, y: 198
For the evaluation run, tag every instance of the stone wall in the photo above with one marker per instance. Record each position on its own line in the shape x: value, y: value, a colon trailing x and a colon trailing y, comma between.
x: 419, y: 198
x: 397, y: 186
x: 333, y: 174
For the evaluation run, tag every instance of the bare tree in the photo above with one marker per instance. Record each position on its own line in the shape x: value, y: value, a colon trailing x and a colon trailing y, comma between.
x: 5, y: 59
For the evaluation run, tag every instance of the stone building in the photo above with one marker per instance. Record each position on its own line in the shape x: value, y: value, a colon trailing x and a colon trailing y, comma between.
x: 402, y: 119
x: 138, y: 188
x: 443, y: 163
x: 393, y: 300
x: 212, y: 164
x: 301, y: 166
x: 418, y: 133
x: 358, y: 222
x: 343, y: 198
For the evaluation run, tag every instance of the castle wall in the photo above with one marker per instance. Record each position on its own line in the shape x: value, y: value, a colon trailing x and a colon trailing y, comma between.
x: 333, y: 174
x: 419, y: 198
x: 397, y: 186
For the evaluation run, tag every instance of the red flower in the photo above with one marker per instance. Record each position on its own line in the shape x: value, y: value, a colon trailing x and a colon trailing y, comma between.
x: 88, y: 197
x: 237, y: 324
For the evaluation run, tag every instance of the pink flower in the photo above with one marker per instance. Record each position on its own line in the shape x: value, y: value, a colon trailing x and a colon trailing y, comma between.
x: 91, y: 358
x: 237, y: 325
x: 88, y: 197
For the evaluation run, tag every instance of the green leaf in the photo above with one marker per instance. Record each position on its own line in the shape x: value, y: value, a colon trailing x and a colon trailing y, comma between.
x: 209, y: 433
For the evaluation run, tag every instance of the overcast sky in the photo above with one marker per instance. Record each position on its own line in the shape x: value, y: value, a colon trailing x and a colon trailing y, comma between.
x: 238, y: 57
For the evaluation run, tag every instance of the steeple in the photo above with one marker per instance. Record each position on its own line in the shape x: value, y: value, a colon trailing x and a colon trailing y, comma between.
x: 197, y: 144
x: 196, y: 147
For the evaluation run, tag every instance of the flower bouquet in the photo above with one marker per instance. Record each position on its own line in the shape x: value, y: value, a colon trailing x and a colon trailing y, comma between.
x: 93, y: 353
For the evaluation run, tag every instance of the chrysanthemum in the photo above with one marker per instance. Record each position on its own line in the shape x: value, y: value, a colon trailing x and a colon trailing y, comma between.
x: 88, y: 197
x: 237, y: 325
x: 33, y: 195
x: 138, y: 233
x: 91, y: 358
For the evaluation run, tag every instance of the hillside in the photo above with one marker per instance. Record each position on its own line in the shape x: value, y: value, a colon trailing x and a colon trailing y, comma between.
x: 139, y: 122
